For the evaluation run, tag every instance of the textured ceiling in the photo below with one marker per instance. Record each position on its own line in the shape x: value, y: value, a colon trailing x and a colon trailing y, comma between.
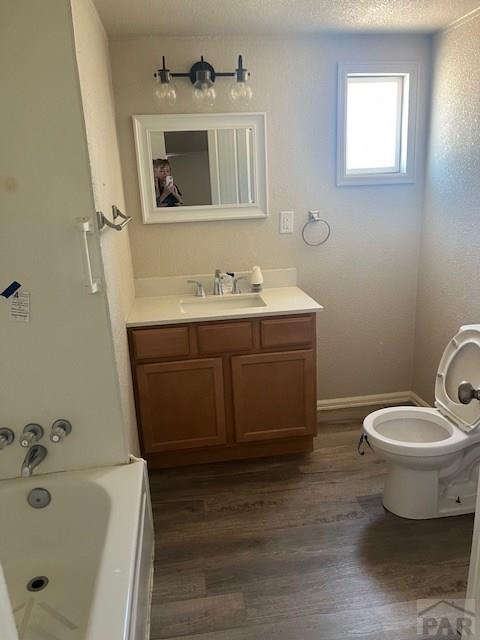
x: 225, y: 17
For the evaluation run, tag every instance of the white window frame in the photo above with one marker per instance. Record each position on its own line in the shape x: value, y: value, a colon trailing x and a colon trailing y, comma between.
x: 404, y: 171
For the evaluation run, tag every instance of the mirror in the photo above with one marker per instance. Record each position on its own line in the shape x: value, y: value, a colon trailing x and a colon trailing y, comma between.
x: 193, y: 168
x: 201, y: 166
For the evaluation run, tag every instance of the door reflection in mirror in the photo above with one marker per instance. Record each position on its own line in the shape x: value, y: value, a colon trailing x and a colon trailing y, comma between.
x: 203, y: 167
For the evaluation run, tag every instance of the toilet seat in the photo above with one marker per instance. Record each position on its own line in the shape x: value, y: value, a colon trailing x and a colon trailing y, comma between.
x: 413, y: 431
x: 460, y: 361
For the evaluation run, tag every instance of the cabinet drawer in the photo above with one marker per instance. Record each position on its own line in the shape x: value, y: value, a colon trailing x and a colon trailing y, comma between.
x: 160, y: 343
x: 286, y: 332
x: 219, y: 338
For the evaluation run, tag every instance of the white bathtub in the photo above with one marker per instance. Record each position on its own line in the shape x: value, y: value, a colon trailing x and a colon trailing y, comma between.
x: 94, y: 543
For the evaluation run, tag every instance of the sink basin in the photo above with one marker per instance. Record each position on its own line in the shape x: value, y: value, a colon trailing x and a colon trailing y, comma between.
x: 212, y: 304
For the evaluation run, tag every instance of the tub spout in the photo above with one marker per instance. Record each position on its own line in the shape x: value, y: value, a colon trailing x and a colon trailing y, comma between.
x: 35, y: 455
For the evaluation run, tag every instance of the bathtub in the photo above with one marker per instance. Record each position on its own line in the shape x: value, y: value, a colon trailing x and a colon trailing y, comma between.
x: 81, y: 567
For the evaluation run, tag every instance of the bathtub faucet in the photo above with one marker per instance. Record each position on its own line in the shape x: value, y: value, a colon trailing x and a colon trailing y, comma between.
x: 35, y: 455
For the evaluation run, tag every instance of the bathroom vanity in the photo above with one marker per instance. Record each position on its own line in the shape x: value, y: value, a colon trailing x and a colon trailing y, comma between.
x: 238, y: 384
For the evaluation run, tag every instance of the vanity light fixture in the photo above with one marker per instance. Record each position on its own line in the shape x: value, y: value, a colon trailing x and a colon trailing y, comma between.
x: 165, y: 89
x: 241, y: 92
x: 202, y: 76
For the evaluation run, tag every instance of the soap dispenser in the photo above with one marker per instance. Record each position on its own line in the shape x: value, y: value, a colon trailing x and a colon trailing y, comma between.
x: 256, y: 279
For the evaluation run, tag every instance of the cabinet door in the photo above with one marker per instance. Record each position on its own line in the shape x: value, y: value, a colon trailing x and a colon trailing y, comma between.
x: 274, y: 395
x: 181, y: 404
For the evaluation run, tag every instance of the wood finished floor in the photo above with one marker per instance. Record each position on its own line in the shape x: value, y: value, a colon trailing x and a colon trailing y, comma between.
x: 296, y: 548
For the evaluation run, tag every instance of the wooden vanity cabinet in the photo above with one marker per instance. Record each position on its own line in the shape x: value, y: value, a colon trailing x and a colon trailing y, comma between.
x: 224, y: 390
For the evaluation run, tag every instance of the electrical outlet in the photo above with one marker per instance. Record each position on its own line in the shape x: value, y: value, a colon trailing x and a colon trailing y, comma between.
x: 286, y: 221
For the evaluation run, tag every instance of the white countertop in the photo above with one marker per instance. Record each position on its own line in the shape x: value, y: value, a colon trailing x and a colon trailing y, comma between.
x: 151, y: 310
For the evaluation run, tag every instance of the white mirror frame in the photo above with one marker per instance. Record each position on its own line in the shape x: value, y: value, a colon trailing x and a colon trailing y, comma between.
x: 145, y: 125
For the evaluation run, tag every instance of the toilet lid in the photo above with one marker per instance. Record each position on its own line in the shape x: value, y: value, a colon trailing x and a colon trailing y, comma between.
x: 460, y: 362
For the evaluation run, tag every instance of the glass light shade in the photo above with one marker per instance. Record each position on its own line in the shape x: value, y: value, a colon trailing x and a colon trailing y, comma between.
x: 166, y: 92
x: 241, y: 93
x: 204, y: 94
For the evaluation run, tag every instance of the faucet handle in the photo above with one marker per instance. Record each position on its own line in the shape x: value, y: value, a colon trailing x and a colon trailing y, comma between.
x: 6, y: 437
x: 60, y: 430
x: 31, y: 433
x: 236, y: 286
x: 199, y: 289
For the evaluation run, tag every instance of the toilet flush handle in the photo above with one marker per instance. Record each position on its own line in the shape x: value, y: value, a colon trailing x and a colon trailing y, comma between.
x: 466, y: 392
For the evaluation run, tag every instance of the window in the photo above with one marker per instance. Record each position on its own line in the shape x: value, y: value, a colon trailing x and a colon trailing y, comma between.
x: 376, y: 124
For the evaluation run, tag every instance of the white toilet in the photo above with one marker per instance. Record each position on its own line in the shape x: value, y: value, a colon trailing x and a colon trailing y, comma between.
x: 433, y: 455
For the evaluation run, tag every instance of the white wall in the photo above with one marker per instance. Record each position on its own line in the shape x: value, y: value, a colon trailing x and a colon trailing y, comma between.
x: 97, y: 98
x: 449, y: 282
x: 366, y: 275
x: 61, y: 364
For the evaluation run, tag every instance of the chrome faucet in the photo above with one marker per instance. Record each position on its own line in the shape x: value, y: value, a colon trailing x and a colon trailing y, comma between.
x: 35, y: 455
x: 218, y: 283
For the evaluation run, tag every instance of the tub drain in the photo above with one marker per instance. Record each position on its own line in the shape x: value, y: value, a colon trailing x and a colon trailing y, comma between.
x: 37, y: 584
x: 39, y: 498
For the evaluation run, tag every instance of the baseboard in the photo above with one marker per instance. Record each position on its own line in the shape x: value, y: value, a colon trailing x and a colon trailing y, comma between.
x: 418, y: 401
x: 397, y: 397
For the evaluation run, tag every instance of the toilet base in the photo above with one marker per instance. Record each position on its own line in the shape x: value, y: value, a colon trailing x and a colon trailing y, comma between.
x: 420, y: 494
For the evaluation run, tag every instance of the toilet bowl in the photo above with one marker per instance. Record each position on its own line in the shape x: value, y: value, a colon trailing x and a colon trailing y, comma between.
x: 433, y: 454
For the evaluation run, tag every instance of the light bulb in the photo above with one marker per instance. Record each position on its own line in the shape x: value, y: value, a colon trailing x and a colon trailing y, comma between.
x: 241, y: 93
x: 166, y: 92
x: 204, y: 95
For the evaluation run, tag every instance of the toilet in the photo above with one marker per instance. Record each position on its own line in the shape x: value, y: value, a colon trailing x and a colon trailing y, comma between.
x: 433, y: 454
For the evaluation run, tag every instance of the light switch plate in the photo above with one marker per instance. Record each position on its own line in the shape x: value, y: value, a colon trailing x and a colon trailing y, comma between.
x: 286, y: 221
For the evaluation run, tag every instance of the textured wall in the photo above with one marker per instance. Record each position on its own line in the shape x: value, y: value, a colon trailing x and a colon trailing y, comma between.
x: 97, y: 97
x: 449, y: 282
x: 61, y: 364
x: 366, y: 275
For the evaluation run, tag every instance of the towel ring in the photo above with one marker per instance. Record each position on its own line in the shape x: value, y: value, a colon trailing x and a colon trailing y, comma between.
x: 313, y: 216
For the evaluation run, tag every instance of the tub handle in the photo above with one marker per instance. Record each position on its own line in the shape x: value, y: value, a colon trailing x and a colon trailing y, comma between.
x: 6, y: 437
x: 60, y: 429
x: 31, y: 434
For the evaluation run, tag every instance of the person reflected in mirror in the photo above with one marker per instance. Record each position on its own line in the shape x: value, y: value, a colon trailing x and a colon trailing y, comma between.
x: 167, y: 193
